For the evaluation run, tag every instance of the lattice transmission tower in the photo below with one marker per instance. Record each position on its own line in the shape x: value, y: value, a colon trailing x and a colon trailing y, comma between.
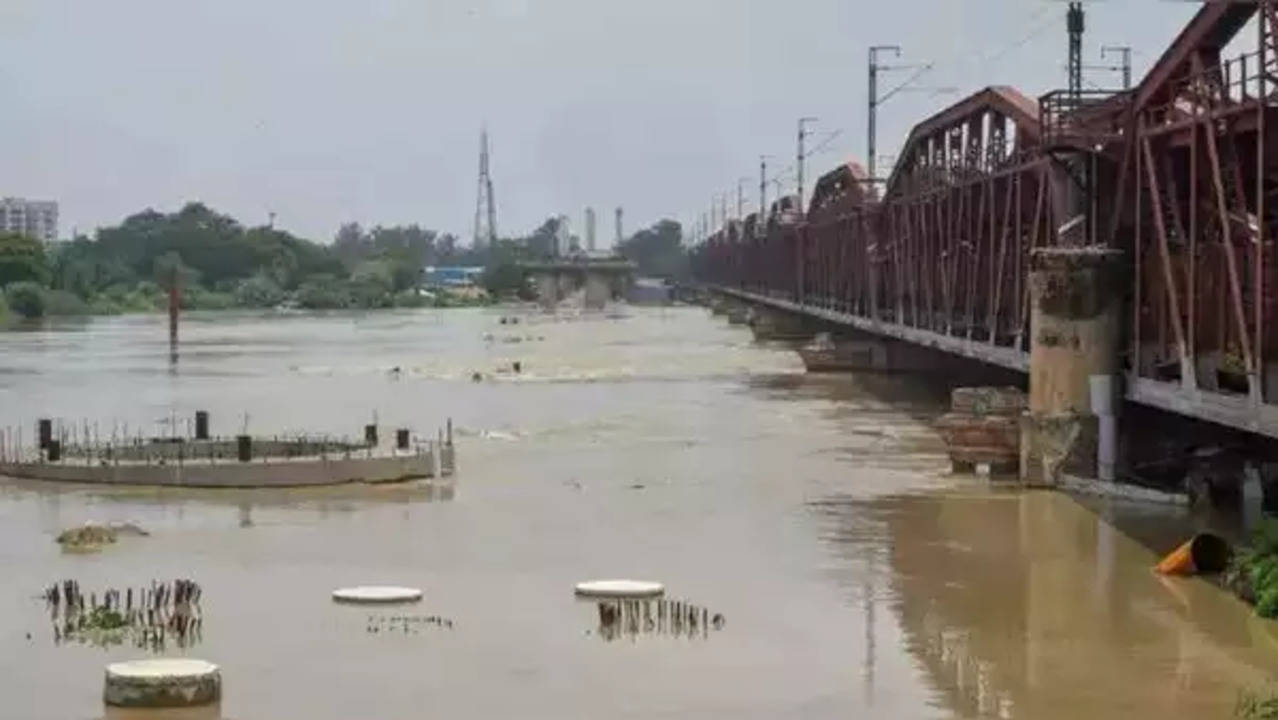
x: 485, y: 204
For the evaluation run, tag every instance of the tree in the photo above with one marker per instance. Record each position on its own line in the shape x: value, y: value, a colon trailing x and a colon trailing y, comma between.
x: 258, y: 291
x: 351, y: 244
x: 323, y: 292
x: 657, y: 250
x: 541, y: 243
x: 25, y: 298
x: 21, y: 259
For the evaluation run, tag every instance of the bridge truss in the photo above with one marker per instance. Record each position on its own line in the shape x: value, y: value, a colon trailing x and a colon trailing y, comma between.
x: 1181, y: 173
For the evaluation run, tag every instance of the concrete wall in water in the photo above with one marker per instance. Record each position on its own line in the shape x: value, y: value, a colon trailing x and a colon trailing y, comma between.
x: 232, y: 474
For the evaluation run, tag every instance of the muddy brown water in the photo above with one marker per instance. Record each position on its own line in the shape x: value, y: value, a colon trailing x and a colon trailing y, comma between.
x: 854, y: 576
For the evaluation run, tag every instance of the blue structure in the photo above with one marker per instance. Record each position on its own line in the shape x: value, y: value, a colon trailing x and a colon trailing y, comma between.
x: 452, y: 276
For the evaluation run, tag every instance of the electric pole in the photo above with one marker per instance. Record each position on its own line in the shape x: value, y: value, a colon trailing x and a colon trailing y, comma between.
x: 871, y: 124
x: 1124, y: 52
x: 763, y: 187
x: 1074, y: 22
x: 741, y: 197
x: 803, y: 133
x: 617, y: 223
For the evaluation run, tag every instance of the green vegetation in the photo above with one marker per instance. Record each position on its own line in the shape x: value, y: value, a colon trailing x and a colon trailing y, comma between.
x: 1253, y: 572
x: 1257, y: 705
x: 658, y: 250
x: 218, y: 263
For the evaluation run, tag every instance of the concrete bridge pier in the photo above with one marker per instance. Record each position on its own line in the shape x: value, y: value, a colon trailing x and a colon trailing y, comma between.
x: 850, y: 351
x: 769, y: 324
x: 737, y: 311
x: 600, y: 280
x: 552, y: 287
x: 1075, y: 319
x: 598, y: 291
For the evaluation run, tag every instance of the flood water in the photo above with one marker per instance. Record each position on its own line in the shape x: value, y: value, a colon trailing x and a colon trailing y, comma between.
x: 855, y: 577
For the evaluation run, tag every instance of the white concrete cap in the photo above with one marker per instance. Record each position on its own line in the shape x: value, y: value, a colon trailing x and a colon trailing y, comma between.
x: 162, y: 682
x: 377, y: 594
x: 620, y: 588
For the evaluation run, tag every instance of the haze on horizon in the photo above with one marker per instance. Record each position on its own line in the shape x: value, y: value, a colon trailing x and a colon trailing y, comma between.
x: 331, y: 112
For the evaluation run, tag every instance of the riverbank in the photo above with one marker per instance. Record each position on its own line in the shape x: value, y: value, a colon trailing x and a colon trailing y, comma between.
x: 61, y: 304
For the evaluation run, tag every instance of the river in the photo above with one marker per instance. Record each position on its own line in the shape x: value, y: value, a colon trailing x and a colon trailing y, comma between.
x: 854, y: 576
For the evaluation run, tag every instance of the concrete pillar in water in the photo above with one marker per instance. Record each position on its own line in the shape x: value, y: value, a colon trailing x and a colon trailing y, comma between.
x: 598, y: 291
x: 547, y: 289
x: 772, y: 324
x: 244, y: 447
x: 1074, y: 325
x: 162, y: 683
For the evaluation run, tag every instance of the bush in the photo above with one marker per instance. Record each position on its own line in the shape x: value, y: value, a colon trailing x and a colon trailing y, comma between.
x: 411, y: 299
x: 1267, y: 602
x: 26, y: 299
x: 197, y: 298
x: 61, y: 302
x: 323, y: 292
x: 258, y: 291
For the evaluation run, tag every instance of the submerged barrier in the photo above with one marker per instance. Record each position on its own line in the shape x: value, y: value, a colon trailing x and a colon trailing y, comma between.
x: 79, y: 453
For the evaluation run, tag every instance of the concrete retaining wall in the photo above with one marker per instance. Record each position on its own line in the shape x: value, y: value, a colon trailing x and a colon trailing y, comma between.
x: 231, y: 474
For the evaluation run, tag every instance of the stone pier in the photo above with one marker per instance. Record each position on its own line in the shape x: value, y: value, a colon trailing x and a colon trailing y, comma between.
x: 857, y: 352
x: 1075, y: 297
x: 599, y: 279
x: 770, y: 324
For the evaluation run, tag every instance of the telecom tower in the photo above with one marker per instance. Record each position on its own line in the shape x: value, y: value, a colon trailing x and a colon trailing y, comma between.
x: 485, y: 205
x: 1074, y: 19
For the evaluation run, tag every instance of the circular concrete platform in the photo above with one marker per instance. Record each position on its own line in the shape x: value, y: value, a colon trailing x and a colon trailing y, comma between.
x: 620, y: 589
x: 162, y: 682
x: 377, y: 594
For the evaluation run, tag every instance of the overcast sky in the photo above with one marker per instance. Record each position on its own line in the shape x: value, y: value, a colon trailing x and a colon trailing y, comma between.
x: 326, y: 111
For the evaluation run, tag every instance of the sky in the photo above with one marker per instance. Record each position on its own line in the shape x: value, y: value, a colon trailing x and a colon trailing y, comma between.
x: 328, y: 111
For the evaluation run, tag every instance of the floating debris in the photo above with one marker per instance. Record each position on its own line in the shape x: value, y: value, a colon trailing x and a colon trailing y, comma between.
x: 406, y: 624
x: 93, y: 536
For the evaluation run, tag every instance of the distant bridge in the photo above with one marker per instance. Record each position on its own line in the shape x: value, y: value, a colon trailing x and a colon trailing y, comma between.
x: 602, y: 279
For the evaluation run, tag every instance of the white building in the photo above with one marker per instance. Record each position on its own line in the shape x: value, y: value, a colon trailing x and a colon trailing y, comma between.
x: 33, y: 218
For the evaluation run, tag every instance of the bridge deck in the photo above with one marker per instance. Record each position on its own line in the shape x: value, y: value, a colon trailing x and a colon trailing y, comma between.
x: 1238, y: 411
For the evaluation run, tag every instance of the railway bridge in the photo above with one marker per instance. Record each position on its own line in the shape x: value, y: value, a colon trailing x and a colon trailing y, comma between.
x: 1086, y: 239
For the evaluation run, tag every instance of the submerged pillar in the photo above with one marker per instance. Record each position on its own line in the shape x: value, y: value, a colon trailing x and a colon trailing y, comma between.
x: 1075, y: 300
x: 769, y: 324
x: 598, y: 290
x: 547, y: 289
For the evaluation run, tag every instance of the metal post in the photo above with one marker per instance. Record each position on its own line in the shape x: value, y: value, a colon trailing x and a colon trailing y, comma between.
x: 803, y: 133
x: 173, y: 313
x: 872, y: 119
x: 1074, y: 24
x: 1124, y: 52
x: 763, y: 190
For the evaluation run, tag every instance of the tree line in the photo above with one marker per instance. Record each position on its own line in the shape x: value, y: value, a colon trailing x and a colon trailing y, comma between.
x: 219, y: 263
